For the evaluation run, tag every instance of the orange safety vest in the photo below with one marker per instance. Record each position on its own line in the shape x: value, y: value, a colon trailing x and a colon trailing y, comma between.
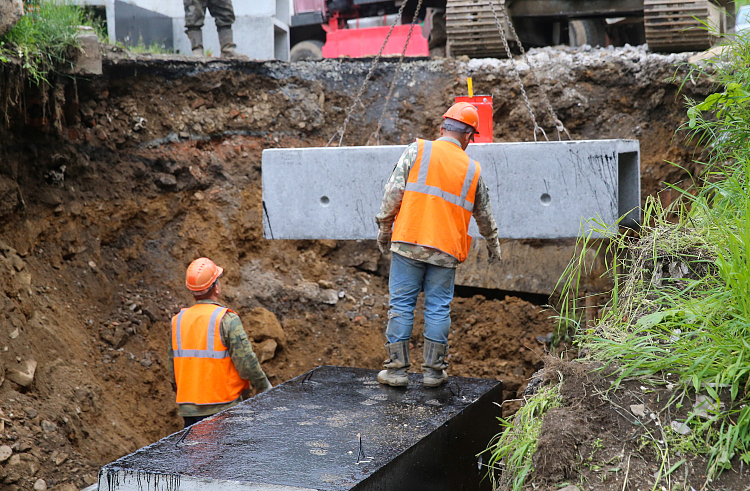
x: 203, y: 369
x: 439, y: 199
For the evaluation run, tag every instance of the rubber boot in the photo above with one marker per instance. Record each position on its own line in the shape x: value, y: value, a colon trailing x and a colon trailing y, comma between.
x: 434, y: 364
x: 226, y: 41
x: 396, y: 365
x: 196, y: 41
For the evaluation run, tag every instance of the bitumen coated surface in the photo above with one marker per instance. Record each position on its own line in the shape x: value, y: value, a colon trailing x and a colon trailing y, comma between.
x: 329, y: 429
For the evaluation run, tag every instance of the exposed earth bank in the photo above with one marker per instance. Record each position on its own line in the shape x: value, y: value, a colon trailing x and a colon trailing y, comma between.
x: 110, y: 187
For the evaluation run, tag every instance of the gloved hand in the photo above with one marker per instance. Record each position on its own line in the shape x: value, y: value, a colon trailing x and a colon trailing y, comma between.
x: 495, y: 254
x: 384, y: 242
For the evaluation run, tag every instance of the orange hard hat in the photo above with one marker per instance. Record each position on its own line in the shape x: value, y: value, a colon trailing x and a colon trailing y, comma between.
x: 201, y: 275
x: 464, y: 112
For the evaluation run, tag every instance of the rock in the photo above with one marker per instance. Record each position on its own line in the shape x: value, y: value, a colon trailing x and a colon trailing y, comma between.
x: 704, y: 407
x: 263, y: 324
x: 66, y: 487
x: 48, y: 426
x: 117, y: 337
x: 680, y: 427
x: 22, y: 373
x: 31, y: 412
x: 5, y: 453
x: 266, y: 350
x: 15, y: 459
x: 22, y: 446
x: 570, y: 487
x: 325, y: 284
x: 2, y: 376
x: 10, y: 12
x: 17, y: 263
x: 638, y: 409
x: 164, y: 180
x: 329, y: 296
x: 14, y: 333
x: 59, y: 458
x: 40, y: 485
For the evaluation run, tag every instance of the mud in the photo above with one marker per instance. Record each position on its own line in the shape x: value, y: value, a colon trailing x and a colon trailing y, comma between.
x: 111, y: 186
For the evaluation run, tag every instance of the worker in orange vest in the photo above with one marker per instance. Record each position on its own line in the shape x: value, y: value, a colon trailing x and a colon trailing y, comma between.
x: 429, y: 200
x: 214, y: 361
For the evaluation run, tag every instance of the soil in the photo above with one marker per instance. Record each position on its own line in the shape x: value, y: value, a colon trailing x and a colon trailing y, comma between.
x: 109, y: 187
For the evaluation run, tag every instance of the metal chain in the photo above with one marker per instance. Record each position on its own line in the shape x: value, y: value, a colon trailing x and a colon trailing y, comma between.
x: 357, y: 100
x: 513, y: 69
x: 558, y: 124
x: 376, y: 136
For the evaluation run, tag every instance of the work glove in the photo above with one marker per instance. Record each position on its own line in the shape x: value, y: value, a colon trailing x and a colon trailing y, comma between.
x: 384, y: 242
x: 495, y: 254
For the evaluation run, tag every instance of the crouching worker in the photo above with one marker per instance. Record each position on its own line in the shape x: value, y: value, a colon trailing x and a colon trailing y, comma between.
x: 214, y: 362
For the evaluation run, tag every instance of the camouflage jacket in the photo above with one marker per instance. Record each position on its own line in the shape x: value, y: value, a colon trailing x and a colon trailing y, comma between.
x: 394, y: 194
x: 243, y: 357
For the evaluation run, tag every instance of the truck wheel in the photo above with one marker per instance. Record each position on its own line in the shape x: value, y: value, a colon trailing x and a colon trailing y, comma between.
x: 586, y: 31
x: 307, y: 50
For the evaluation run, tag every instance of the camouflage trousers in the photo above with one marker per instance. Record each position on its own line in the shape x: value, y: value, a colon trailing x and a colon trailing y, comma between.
x: 195, y: 11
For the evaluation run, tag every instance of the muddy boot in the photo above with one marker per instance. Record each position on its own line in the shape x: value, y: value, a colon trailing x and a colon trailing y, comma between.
x: 396, y: 365
x: 196, y: 41
x: 226, y: 41
x: 434, y: 364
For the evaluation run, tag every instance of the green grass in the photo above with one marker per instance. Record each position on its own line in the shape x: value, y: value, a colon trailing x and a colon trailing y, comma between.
x: 45, y: 39
x: 512, y: 450
x: 681, y: 300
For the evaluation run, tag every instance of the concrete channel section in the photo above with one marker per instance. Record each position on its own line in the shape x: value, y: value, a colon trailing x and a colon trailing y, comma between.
x: 539, y: 190
x: 331, y: 429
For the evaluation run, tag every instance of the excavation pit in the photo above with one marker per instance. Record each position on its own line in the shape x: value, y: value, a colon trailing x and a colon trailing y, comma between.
x: 331, y: 429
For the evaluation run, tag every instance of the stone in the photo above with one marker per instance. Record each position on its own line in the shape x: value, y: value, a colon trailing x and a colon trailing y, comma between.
x: 10, y: 13
x: 329, y: 296
x: 14, y: 333
x: 164, y: 180
x: 22, y: 446
x: 40, y: 485
x: 17, y: 263
x: 15, y: 459
x: 66, y: 487
x: 325, y: 284
x: 262, y: 324
x: 22, y: 373
x: 59, y: 458
x: 570, y: 487
x: 5, y: 453
x: 31, y: 412
x: 266, y: 350
x: 88, y: 59
x: 48, y: 426
x: 680, y: 427
x: 117, y: 337
x: 638, y: 409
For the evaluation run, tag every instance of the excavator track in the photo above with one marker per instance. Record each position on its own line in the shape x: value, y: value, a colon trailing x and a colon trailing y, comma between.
x: 472, y: 29
x: 677, y: 25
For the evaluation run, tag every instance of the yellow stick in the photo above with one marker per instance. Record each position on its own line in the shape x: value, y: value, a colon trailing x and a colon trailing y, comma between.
x: 471, y: 87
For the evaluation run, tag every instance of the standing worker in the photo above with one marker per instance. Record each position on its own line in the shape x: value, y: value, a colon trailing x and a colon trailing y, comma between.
x: 213, y: 358
x: 431, y: 195
x: 222, y: 12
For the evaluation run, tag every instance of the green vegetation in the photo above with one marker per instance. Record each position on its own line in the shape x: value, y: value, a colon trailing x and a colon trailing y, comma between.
x: 679, y: 314
x: 681, y: 301
x: 512, y: 450
x: 44, y: 39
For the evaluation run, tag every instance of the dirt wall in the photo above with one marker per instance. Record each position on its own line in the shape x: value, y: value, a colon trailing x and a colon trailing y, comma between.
x: 111, y: 186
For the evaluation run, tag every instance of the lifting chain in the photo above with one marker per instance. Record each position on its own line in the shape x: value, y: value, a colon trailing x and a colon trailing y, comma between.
x: 558, y: 124
x: 375, y: 137
x: 357, y: 100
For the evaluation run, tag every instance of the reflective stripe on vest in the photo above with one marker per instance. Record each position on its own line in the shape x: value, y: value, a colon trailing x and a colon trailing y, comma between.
x: 209, y: 352
x: 421, y: 187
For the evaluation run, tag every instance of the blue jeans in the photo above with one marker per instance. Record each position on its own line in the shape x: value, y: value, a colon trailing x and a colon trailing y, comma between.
x: 407, y: 279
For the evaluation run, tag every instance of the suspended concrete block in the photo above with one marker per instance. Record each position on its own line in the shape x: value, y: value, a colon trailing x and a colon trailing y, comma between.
x: 538, y: 190
x: 331, y: 429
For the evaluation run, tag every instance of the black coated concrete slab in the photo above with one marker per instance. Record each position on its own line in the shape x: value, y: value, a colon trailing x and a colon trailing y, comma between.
x: 331, y: 429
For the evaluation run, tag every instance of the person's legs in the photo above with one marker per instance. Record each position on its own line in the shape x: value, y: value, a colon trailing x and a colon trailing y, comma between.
x: 438, y: 294
x: 223, y: 12
x: 191, y: 420
x: 404, y: 284
x: 195, y: 13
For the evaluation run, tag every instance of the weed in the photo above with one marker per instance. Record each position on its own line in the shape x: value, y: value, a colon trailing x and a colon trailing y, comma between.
x: 681, y: 296
x: 511, y: 450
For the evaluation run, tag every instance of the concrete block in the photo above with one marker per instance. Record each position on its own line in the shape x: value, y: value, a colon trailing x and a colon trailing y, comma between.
x: 331, y: 429
x: 538, y: 190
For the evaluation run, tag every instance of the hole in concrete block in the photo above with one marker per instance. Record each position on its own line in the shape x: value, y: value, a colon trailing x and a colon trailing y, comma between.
x: 546, y: 199
x: 629, y: 189
x: 324, y: 201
